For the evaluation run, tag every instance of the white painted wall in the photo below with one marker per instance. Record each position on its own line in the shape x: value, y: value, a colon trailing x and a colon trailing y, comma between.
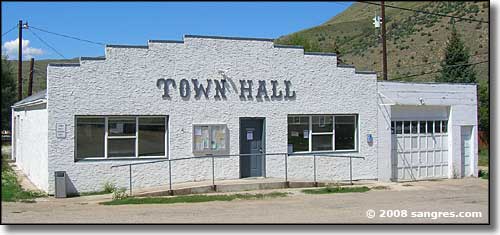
x: 396, y: 100
x: 31, y: 153
x: 125, y: 84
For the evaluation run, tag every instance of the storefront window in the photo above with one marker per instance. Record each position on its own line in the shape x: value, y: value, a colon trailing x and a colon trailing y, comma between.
x: 321, y: 133
x: 90, y: 137
x: 345, y: 132
x: 298, y: 134
x: 151, y: 136
x: 210, y: 139
x: 114, y: 137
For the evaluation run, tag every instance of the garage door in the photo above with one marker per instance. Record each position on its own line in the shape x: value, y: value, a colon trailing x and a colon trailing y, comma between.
x: 419, y: 149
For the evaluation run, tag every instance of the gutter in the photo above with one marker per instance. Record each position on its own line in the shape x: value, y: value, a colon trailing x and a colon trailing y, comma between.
x: 31, y: 103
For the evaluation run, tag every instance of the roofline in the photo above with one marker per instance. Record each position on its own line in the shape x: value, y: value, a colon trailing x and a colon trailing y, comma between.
x: 429, y: 83
x: 31, y: 103
x: 92, y: 58
x: 229, y: 38
x: 64, y: 65
x: 365, y: 72
x: 288, y: 46
x: 127, y: 46
x: 320, y: 53
x: 166, y: 41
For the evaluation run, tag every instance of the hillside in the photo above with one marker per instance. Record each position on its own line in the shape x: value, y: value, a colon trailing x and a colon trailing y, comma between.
x: 40, y: 76
x: 415, y: 41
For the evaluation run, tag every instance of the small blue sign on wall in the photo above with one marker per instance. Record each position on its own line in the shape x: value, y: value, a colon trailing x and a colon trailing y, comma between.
x: 369, y: 138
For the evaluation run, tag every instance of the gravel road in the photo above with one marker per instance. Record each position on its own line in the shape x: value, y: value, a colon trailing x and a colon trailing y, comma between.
x: 462, y: 195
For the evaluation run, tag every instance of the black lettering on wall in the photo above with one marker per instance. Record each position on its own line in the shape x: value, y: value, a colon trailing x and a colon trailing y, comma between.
x: 184, y: 88
x: 247, y: 89
x: 262, y: 89
x: 288, y: 84
x: 220, y: 90
x: 275, y: 94
x: 198, y: 88
x: 166, y: 83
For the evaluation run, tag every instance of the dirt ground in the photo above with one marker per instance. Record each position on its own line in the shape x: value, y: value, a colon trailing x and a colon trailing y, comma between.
x: 463, y: 195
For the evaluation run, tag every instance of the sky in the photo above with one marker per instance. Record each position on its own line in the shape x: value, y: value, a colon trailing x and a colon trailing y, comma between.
x: 134, y: 23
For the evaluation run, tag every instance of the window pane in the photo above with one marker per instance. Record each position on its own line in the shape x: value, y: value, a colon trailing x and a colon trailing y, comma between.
x: 322, y: 124
x: 298, y: 134
x: 414, y: 126
x: 321, y: 142
x: 430, y: 126
x: 201, y: 138
x: 121, y: 147
x: 90, y: 137
x: 393, y: 131
x: 399, y: 127
x: 345, y: 131
x: 422, y: 127
x: 406, y: 127
x: 218, y: 138
x: 445, y: 126
x: 152, y: 136
x: 437, y: 127
x: 121, y: 126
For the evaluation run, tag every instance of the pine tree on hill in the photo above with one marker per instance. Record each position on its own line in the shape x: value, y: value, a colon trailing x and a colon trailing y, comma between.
x: 456, y: 65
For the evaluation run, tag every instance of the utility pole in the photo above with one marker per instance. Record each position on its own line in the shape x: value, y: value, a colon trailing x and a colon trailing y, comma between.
x: 384, y: 47
x: 32, y: 71
x: 20, y: 63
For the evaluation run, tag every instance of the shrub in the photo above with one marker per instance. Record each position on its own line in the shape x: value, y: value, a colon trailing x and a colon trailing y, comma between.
x: 109, y: 187
x: 120, y: 193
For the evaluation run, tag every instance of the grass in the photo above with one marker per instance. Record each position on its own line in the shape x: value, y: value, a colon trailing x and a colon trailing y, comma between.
x: 327, y: 190
x: 94, y: 193
x: 483, y: 157
x: 484, y: 174
x: 192, y: 198
x: 11, y: 189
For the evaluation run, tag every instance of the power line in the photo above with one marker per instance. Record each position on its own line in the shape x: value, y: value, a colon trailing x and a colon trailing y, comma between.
x: 429, y: 63
x: 437, y: 71
x: 67, y: 36
x: 9, y: 30
x: 46, y: 43
x: 427, y: 12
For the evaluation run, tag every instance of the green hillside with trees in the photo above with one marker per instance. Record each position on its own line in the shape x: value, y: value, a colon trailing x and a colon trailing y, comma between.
x: 416, y: 42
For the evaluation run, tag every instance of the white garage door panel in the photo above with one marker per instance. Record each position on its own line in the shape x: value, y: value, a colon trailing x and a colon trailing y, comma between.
x: 420, y: 149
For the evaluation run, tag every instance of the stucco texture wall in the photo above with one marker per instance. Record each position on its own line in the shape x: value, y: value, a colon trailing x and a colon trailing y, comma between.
x: 125, y: 84
x: 31, y: 151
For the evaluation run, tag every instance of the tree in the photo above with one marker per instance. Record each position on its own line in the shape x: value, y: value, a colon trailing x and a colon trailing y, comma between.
x: 484, y: 106
x: 8, y: 93
x: 456, y: 67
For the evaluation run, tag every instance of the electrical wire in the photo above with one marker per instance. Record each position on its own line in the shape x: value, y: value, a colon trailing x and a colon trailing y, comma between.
x: 9, y: 30
x: 426, y: 12
x: 67, y: 36
x: 39, y: 38
x: 437, y: 71
x: 429, y: 63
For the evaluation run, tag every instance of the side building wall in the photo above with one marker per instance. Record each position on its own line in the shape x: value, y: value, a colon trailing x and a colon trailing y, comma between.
x: 30, y: 143
x: 458, y: 102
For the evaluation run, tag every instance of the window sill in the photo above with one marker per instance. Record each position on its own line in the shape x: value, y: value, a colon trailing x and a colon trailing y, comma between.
x: 120, y: 159
x: 338, y: 152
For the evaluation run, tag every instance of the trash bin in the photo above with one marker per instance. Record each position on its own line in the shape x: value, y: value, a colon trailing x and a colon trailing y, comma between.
x: 60, y: 184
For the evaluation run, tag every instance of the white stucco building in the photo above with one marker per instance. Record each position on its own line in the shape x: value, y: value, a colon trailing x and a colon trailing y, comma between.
x: 231, y: 96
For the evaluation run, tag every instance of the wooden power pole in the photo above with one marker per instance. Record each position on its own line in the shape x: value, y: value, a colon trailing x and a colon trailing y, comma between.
x: 20, y: 63
x: 32, y: 71
x: 384, y: 47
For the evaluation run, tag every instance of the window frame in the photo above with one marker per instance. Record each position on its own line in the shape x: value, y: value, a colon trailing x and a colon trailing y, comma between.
x: 210, y: 151
x: 107, y: 136
x: 310, y: 133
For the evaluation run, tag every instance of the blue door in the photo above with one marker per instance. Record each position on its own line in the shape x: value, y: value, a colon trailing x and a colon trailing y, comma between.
x: 251, y: 142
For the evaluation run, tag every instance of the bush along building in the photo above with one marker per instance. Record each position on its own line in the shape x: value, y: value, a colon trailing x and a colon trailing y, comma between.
x: 266, y: 108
